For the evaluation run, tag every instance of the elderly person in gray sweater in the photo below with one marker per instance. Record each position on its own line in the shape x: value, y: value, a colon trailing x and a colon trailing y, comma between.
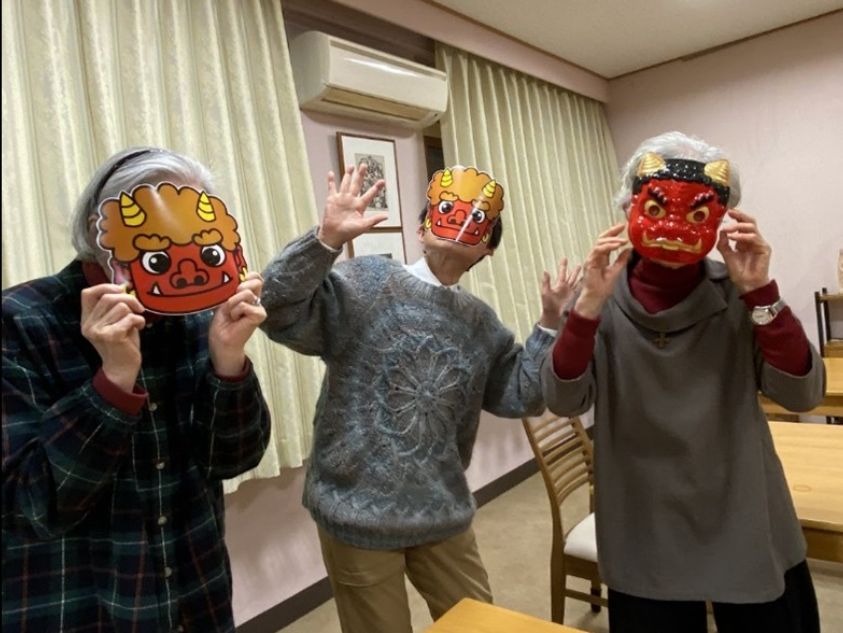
x: 671, y: 349
x: 412, y: 359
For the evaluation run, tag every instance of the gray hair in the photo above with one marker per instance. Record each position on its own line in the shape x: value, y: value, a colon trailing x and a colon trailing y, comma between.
x: 124, y: 171
x: 675, y: 145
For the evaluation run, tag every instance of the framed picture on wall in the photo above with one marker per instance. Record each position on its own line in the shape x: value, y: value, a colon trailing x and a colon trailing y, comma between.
x: 385, y: 242
x: 379, y: 155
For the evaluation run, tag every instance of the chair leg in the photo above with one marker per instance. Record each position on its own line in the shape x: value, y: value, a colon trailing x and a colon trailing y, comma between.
x: 557, y: 595
x: 595, y: 591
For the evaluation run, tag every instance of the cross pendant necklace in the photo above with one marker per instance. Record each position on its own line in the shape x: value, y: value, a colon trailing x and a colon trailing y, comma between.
x: 662, y: 341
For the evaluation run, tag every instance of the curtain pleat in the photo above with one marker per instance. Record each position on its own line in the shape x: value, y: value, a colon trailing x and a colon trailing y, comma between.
x: 552, y: 151
x: 208, y: 78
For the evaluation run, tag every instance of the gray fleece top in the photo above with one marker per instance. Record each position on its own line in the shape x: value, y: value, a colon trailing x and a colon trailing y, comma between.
x: 691, y: 500
x: 410, y: 365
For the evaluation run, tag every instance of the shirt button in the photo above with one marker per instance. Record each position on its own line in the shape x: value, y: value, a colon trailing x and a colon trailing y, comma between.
x: 179, y: 629
x: 160, y: 465
x: 148, y: 325
x: 153, y: 407
x: 168, y: 571
x: 162, y: 520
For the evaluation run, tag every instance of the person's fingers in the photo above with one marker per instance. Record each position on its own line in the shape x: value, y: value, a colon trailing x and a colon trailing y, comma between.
x: 242, y: 296
x: 368, y: 223
x: 107, y: 301
x: 253, y: 313
x: 574, y: 277
x: 563, y: 268
x: 545, y: 284
x: 723, y: 245
x: 739, y: 227
x: 371, y: 192
x: 345, y: 184
x: 740, y: 216
x: 357, y: 178
x: 91, y: 295
x: 119, y: 330
x: 253, y: 284
x: 620, y: 262
x: 332, y: 184
x: 617, y: 229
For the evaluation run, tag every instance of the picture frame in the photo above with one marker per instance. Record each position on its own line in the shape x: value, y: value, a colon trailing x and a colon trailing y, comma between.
x: 386, y: 242
x: 380, y: 155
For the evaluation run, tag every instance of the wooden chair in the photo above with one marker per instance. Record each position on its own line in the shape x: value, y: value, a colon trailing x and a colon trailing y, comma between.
x: 563, y: 451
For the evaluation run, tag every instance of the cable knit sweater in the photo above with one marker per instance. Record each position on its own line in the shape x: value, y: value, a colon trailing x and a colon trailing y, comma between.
x: 409, y: 367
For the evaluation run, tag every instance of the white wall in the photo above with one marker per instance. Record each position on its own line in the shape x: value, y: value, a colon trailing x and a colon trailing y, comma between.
x: 271, y: 538
x: 775, y: 103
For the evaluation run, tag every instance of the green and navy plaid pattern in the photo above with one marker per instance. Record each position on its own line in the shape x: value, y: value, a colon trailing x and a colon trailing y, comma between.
x: 114, y: 522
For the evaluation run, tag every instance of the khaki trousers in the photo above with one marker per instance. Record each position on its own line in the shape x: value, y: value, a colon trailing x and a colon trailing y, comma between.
x: 369, y: 586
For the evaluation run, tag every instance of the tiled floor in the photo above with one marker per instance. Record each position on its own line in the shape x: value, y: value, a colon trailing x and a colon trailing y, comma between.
x: 513, y: 533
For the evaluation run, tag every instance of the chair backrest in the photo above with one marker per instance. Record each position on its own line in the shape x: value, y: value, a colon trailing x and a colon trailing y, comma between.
x: 563, y: 451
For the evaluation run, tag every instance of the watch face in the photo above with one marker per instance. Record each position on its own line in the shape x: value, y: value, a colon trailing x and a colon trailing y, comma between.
x: 761, y: 316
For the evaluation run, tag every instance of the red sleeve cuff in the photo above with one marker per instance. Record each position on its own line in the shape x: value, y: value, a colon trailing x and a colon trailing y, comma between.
x: 247, y: 367
x: 581, y: 326
x: 129, y: 403
x: 763, y: 296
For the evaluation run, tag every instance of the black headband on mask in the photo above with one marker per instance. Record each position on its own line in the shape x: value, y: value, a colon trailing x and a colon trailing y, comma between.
x: 686, y: 171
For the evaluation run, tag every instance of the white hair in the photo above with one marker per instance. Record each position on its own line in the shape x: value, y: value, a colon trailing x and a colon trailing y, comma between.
x: 675, y: 145
x: 124, y: 171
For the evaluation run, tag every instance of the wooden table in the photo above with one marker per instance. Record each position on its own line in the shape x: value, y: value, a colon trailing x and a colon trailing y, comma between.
x: 471, y: 616
x: 812, y: 457
x: 832, y: 404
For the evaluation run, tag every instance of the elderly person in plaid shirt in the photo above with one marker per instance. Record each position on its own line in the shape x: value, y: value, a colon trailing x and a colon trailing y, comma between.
x: 118, y: 428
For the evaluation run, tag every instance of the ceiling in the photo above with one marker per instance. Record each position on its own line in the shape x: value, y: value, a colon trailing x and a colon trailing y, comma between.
x: 615, y: 37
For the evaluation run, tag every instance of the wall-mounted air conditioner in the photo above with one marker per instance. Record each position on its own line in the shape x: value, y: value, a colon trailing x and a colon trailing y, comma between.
x: 338, y: 76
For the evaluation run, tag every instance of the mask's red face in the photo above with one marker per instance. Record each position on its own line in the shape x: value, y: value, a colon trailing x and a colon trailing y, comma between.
x: 675, y: 221
x: 186, y: 278
x: 459, y: 221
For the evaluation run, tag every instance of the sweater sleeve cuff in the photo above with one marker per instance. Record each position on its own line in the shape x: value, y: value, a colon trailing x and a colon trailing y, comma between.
x: 247, y: 368
x: 763, y: 296
x: 580, y: 326
x: 129, y: 403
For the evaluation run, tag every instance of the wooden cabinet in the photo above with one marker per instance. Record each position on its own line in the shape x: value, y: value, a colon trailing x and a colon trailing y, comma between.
x: 829, y: 346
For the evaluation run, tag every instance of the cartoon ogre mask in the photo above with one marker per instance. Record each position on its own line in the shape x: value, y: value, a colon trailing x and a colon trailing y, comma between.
x: 463, y: 205
x: 676, y: 208
x: 177, y: 247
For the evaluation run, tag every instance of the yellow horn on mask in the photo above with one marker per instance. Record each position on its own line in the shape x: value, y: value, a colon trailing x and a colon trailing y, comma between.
x: 447, y: 178
x: 718, y: 171
x: 650, y: 164
x: 130, y: 212
x: 204, y: 209
x: 489, y: 189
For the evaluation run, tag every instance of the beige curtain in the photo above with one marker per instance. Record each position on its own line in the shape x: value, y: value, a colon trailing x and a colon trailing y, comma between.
x: 552, y: 151
x: 209, y: 78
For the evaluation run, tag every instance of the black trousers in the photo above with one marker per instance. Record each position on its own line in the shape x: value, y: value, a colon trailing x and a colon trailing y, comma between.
x: 795, y: 611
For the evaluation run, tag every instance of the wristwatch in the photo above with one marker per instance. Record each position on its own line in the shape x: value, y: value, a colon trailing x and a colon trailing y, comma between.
x: 762, y: 315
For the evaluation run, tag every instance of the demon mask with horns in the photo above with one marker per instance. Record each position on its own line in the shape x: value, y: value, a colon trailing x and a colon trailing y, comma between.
x: 676, y: 208
x: 177, y: 247
x: 463, y: 205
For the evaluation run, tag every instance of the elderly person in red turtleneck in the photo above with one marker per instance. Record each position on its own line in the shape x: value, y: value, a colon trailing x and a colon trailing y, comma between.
x: 671, y: 349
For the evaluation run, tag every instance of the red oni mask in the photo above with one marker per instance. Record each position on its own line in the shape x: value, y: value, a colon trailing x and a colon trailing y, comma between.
x: 178, y: 247
x: 676, y: 208
x: 463, y: 205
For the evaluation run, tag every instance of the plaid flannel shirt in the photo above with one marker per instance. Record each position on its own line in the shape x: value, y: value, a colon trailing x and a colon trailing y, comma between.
x: 113, y: 521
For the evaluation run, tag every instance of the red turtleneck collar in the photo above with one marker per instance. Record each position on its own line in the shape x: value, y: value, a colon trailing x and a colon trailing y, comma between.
x: 658, y: 287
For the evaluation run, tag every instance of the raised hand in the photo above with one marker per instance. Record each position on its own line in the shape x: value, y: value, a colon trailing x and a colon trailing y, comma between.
x: 233, y: 323
x: 343, y: 219
x: 748, y: 262
x: 111, y: 321
x: 599, y: 275
x: 557, y: 295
